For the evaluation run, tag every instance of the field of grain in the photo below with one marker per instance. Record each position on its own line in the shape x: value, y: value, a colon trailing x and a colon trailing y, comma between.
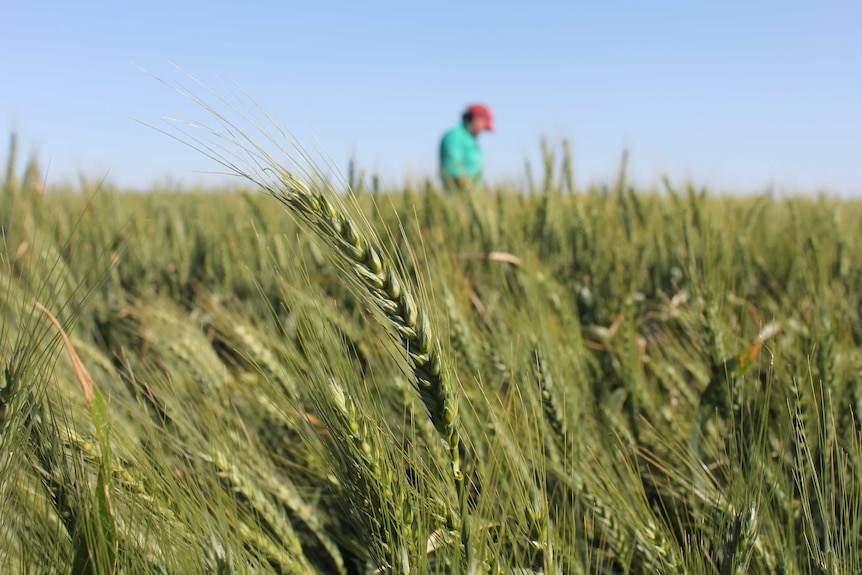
x: 289, y: 378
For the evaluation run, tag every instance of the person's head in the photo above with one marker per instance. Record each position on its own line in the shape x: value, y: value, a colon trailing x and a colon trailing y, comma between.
x: 478, y: 118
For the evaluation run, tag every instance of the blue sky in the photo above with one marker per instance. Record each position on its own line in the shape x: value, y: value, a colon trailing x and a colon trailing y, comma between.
x: 736, y: 96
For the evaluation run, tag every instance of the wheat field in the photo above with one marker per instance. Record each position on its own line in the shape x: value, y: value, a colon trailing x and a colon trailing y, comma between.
x: 303, y: 375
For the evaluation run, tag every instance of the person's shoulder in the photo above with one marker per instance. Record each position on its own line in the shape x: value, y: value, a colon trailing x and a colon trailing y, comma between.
x: 454, y: 133
x: 450, y: 135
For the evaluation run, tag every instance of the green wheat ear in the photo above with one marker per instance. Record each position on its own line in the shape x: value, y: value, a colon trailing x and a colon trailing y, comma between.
x: 375, y: 277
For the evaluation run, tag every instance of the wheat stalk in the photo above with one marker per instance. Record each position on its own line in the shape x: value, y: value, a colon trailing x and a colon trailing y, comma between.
x: 275, y: 535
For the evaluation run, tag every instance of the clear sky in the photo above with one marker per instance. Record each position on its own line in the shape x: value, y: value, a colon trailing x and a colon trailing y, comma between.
x: 733, y: 95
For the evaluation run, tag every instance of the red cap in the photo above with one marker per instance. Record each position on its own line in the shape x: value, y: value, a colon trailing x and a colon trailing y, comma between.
x: 482, y: 111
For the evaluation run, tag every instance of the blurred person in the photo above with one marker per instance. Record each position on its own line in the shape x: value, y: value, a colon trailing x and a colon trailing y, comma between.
x: 461, y: 158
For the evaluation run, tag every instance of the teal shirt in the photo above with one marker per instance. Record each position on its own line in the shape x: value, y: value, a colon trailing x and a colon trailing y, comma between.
x: 460, y: 155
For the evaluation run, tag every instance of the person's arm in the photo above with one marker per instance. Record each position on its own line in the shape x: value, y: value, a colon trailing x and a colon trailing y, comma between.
x: 452, y: 158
